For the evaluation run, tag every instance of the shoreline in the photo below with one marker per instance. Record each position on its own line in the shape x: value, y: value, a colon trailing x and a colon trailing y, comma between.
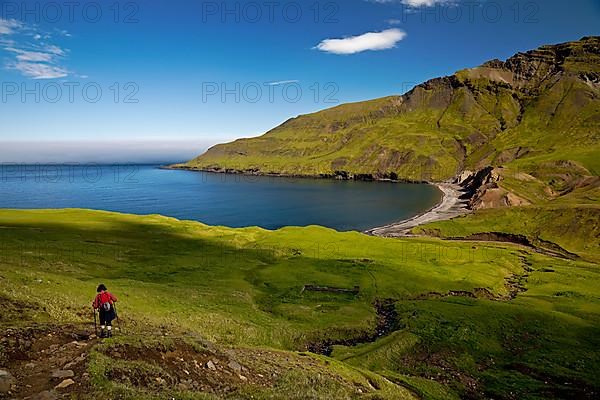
x: 450, y: 206
x: 357, y: 178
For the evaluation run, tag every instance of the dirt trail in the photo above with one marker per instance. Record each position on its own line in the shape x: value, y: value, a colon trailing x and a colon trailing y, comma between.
x: 46, y: 362
x: 51, y: 363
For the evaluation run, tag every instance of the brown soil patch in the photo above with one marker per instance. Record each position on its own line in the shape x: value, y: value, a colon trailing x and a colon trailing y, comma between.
x: 32, y: 355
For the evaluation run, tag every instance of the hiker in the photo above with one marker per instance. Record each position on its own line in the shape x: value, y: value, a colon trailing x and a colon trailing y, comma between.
x: 105, y: 304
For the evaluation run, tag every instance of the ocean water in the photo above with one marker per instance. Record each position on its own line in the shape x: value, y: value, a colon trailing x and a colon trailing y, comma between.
x: 214, y: 199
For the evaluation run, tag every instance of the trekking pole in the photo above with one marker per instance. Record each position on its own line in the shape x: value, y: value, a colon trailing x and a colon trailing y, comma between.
x: 95, y: 324
x: 117, y: 317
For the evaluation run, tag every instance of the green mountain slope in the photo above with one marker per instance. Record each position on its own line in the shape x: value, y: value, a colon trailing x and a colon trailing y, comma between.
x: 525, y: 132
x: 537, y: 107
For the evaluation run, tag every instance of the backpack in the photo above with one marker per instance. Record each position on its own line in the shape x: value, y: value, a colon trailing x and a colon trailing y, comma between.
x: 105, y: 301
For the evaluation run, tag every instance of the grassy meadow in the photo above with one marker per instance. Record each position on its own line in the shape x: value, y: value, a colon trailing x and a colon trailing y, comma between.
x: 472, y: 319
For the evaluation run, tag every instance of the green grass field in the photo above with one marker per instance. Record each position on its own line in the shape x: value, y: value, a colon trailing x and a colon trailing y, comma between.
x: 474, y: 319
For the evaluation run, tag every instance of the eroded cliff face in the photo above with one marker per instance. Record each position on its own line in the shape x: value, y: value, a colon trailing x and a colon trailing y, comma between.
x: 483, y: 191
x: 533, y: 71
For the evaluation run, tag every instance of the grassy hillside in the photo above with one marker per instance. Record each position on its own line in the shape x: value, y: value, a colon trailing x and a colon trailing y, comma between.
x: 509, y: 308
x: 562, y: 210
x: 421, y: 318
x: 536, y: 108
x: 534, y: 119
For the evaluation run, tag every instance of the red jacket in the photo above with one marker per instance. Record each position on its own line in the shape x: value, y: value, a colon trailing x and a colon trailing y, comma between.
x: 103, y: 297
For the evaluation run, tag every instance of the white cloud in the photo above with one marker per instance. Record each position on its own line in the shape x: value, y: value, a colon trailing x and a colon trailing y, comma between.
x: 31, y: 55
x: 277, y: 83
x: 8, y: 26
x: 55, y: 50
x: 368, y: 41
x: 39, y: 70
x: 7, y: 42
x: 423, y: 3
x: 62, y: 32
x: 415, y: 3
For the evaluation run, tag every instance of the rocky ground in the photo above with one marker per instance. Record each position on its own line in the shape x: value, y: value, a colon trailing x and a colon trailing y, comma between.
x: 65, y: 362
x: 44, y: 363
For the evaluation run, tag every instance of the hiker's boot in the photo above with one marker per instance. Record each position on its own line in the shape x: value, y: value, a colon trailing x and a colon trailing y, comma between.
x: 109, y: 333
x: 102, y: 334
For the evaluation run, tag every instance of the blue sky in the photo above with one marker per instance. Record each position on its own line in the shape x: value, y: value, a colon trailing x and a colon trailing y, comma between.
x: 162, y: 65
